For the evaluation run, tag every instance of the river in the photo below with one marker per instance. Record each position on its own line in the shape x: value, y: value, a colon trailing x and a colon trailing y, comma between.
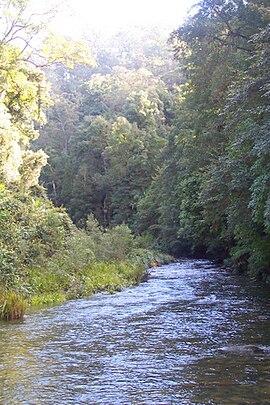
x: 158, y: 343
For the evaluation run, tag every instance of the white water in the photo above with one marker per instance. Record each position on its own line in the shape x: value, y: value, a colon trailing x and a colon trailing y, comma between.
x: 157, y: 343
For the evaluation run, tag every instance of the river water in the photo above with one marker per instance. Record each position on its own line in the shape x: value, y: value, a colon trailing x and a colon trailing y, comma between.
x: 157, y: 343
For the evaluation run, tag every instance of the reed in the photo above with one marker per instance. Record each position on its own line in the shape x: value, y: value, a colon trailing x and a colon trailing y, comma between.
x: 12, y: 305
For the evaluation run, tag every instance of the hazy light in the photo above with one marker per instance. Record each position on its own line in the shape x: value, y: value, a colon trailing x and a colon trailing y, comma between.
x: 110, y: 15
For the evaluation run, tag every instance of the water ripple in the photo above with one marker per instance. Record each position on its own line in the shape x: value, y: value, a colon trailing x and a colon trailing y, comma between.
x: 157, y: 343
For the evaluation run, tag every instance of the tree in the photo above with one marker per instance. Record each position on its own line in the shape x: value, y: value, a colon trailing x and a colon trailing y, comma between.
x: 222, y: 127
x: 103, y: 161
x: 31, y: 228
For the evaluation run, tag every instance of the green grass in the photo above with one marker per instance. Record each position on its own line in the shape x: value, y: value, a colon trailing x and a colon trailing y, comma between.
x: 12, y: 305
x: 54, y: 261
x: 60, y: 280
x: 47, y: 287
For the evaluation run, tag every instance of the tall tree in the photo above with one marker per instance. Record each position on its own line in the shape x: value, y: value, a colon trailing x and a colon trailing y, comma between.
x: 221, y: 121
x: 30, y: 226
x: 113, y: 147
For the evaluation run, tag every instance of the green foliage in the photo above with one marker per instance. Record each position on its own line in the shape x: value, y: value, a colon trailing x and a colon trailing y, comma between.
x: 70, y: 263
x: 118, y: 242
x: 92, y: 261
x: 105, y: 137
x: 180, y: 156
x: 31, y: 230
x: 113, y: 244
x: 44, y: 258
x: 220, y: 141
x: 211, y: 196
x: 60, y: 50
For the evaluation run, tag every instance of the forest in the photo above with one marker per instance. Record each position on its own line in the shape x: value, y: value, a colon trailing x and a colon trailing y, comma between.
x: 117, y: 152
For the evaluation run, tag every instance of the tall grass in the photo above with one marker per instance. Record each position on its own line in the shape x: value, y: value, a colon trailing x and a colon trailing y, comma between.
x: 91, y: 261
x: 49, y: 288
x: 12, y: 305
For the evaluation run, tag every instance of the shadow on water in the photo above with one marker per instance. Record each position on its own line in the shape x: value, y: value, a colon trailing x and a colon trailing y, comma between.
x: 179, y: 338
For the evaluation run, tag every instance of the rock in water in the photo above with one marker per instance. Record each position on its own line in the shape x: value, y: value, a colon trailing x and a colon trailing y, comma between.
x: 242, y: 350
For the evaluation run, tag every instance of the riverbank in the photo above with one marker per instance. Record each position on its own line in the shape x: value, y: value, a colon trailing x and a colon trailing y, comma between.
x: 190, y: 334
x: 53, y: 284
x: 59, y: 262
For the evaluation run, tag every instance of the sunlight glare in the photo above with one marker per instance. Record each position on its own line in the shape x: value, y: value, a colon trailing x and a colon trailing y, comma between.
x: 109, y: 16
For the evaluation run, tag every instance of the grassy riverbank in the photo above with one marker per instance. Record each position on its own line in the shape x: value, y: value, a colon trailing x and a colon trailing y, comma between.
x: 89, y: 262
x: 46, y: 287
x: 51, y: 261
x: 58, y: 285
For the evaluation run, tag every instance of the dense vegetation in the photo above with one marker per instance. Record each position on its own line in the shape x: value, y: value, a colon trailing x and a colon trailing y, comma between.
x: 175, y: 152
x: 43, y: 256
x: 221, y: 138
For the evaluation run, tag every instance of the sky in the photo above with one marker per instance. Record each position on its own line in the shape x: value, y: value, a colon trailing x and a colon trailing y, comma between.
x: 109, y: 16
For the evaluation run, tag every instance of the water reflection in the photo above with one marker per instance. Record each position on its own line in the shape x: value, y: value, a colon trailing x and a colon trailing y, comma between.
x: 157, y: 343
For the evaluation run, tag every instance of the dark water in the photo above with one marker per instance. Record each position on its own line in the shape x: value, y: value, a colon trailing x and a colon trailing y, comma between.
x: 157, y: 343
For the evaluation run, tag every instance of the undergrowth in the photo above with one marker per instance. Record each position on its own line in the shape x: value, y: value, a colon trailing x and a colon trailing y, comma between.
x: 91, y: 261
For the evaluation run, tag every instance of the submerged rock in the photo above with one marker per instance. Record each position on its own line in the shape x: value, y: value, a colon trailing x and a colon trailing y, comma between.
x: 242, y: 350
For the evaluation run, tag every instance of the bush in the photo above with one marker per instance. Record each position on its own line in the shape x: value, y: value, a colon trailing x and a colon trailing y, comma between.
x: 31, y: 231
x: 66, y: 262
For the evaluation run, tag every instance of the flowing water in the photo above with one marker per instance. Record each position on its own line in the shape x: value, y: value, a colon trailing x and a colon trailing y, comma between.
x: 158, y: 343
